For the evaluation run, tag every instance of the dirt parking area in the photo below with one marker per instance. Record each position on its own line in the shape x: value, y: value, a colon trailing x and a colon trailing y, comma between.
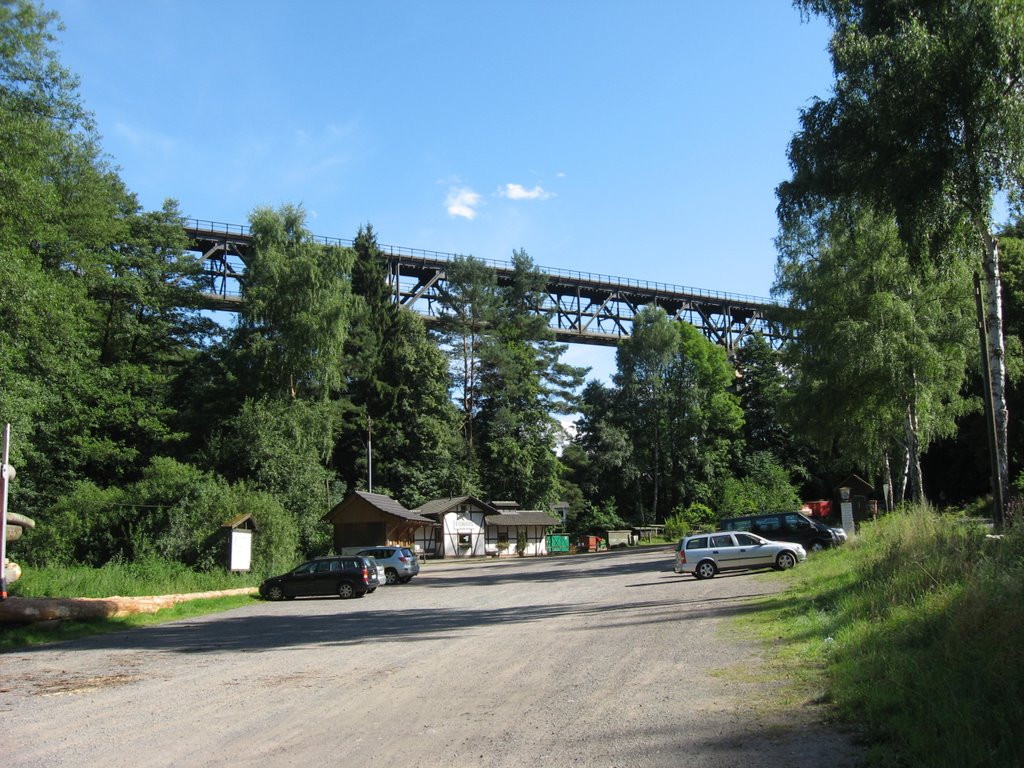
x: 608, y: 659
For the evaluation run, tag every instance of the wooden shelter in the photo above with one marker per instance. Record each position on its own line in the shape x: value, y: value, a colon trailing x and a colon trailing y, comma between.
x: 861, y: 495
x: 371, y: 519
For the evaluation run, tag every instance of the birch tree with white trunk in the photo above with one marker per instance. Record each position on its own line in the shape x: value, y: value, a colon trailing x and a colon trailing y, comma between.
x: 926, y: 120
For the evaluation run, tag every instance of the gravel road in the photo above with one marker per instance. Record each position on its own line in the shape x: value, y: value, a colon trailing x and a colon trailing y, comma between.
x: 607, y: 659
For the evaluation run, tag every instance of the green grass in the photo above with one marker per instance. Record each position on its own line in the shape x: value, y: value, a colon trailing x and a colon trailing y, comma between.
x: 914, y: 633
x: 147, y: 577
x: 151, y: 576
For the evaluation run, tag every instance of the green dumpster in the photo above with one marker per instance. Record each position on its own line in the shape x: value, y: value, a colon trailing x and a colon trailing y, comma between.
x: 557, y: 543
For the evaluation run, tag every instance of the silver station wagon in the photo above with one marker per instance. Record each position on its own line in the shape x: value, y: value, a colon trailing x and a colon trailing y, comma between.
x: 706, y: 554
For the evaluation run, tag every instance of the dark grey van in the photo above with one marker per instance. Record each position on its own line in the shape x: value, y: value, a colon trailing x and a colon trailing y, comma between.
x: 785, y: 526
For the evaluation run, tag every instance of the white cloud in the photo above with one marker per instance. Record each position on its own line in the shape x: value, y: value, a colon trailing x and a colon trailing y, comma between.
x: 519, y: 192
x: 462, y: 202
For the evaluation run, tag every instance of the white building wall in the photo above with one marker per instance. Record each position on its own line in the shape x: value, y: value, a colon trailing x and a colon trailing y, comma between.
x: 461, y: 528
x: 536, y: 540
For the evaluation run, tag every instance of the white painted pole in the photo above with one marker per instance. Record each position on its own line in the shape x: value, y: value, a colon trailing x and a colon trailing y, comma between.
x: 3, y: 510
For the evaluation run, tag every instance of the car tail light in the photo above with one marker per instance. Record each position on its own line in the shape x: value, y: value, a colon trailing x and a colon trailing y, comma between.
x: 682, y: 556
x: 403, y: 558
x: 366, y: 575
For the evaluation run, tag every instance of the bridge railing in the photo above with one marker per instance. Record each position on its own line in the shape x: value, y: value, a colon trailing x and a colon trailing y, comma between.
x: 647, y: 286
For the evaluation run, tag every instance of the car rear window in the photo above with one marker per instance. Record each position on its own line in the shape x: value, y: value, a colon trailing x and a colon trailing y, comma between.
x: 699, y: 543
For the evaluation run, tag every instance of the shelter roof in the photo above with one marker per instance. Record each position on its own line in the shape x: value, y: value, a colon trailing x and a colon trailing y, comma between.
x: 381, y: 503
x: 241, y: 521
x: 436, y: 507
x: 858, y: 485
x: 526, y: 517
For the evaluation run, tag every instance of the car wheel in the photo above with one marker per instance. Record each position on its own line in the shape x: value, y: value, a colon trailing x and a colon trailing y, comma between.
x: 785, y: 560
x: 371, y: 590
x: 346, y: 590
x: 391, y: 576
x: 816, y: 546
x: 705, y: 570
x: 275, y: 593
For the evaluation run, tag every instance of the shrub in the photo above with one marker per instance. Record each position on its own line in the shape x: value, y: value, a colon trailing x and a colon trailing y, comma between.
x: 275, y: 545
x: 592, y: 519
x: 174, y: 513
x: 764, y: 487
x: 90, y: 525
x: 684, y: 521
x: 677, y: 526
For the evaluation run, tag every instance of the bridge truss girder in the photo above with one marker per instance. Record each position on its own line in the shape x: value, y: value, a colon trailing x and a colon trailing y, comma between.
x: 585, y: 310
x: 582, y: 308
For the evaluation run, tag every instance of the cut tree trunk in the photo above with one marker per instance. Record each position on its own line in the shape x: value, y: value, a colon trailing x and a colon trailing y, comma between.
x: 29, y: 610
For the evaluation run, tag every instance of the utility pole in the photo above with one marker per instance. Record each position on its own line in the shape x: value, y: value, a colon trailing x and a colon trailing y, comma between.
x: 369, y: 453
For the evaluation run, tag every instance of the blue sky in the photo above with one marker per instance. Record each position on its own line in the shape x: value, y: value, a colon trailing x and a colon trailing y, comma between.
x: 639, y: 139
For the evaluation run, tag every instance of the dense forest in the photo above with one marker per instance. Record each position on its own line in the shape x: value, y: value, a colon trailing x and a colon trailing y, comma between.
x: 139, y: 424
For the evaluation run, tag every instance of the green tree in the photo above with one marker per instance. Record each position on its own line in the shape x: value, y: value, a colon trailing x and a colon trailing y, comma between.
x: 91, y: 330
x: 468, y: 298
x: 927, y: 123
x: 398, y: 386
x: 1011, y: 248
x: 644, y: 363
x: 761, y: 386
x: 296, y: 310
x: 674, y: 403
x: 144, y: 327
x: 415, y: 424
x: 43, y: 307
x: 524, y: 386
x: 54, y: 187
x: 882, y: 344
x: 763, y: 485
x: 373, y: 315
x: 705, y: 420
x: 604, y: 467
x: 280, y: 446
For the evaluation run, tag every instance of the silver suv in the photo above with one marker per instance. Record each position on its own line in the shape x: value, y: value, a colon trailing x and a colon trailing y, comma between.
x: 706, y: 554
x: 400, y: 563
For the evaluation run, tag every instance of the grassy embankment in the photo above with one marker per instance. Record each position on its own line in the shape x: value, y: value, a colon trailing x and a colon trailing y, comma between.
x: 149, y: 577
x: 914, y: 634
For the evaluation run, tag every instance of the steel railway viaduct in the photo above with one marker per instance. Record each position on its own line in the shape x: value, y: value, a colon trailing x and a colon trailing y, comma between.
x: 583, y: 308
